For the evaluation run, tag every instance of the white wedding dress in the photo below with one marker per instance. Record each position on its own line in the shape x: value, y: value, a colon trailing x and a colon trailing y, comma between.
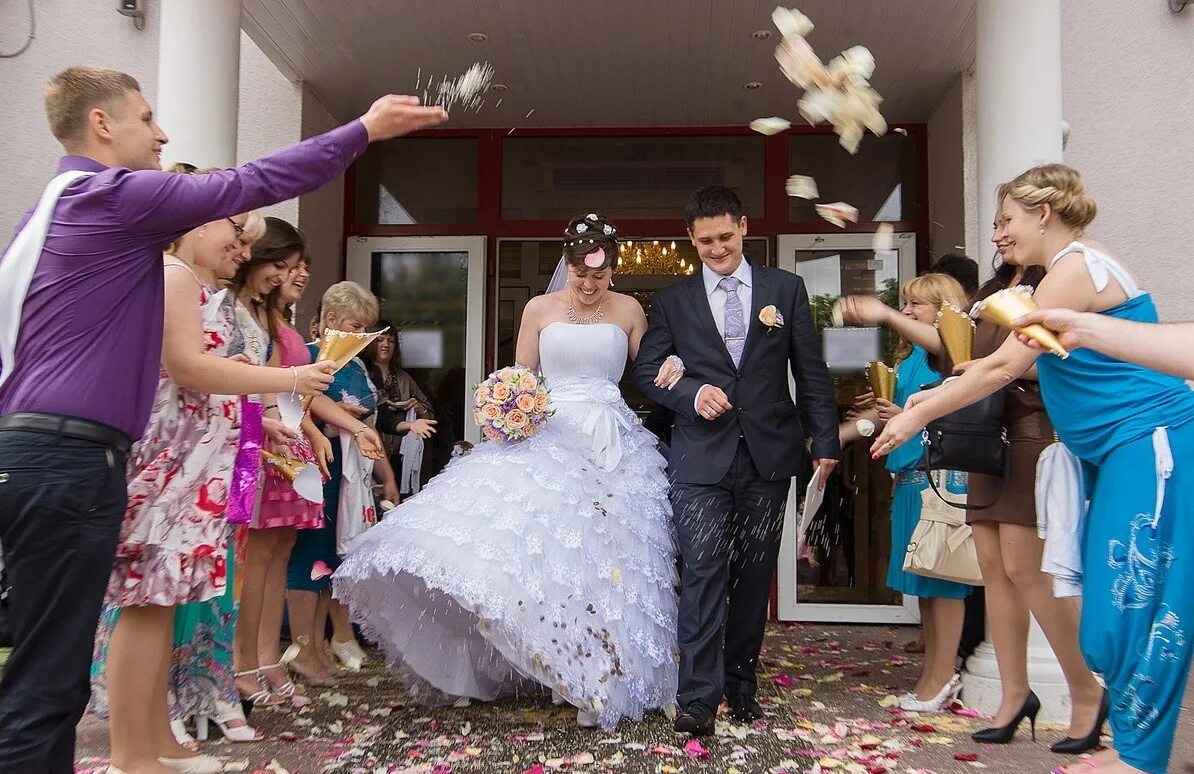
x: 546, y: 563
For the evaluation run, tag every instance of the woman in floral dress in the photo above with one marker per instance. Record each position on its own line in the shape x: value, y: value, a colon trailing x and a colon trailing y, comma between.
x: 173, y: 545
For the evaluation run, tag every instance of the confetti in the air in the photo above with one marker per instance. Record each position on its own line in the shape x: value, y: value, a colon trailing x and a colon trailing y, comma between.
x: 838, y: 213
x: 467, y: 91
x: 838, y: 93
x: 769, y: 126
x: 802, y: 186
x: 884, y: 239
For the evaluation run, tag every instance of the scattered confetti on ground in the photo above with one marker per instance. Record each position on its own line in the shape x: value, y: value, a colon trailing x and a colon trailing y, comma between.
x: 829, y: 694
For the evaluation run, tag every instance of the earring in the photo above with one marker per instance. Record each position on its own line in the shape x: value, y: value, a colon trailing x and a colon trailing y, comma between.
x: 611, y: 282
x: 1041, y: 231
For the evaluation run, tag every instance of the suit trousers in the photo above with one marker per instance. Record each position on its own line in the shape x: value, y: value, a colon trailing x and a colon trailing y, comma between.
x: 61, y: 504
x: 728, y: 535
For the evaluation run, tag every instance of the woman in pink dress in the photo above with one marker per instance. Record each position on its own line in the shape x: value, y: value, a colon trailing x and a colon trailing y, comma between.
x: 282, y: 510
x: 173, y: 543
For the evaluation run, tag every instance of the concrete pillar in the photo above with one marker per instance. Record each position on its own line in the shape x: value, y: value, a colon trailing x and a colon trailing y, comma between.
x: 199, y: 80
x: 1018, y: 73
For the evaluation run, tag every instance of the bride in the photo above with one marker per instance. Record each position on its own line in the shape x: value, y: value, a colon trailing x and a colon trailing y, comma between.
x: 545, y: 564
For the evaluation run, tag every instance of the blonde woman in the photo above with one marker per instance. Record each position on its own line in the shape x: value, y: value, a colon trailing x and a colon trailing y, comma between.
x: 346, y: 306
x: 941, y: 602
x: 1133, y: 430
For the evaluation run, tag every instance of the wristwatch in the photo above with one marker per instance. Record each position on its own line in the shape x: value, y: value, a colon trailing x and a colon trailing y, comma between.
x: 865, y: 427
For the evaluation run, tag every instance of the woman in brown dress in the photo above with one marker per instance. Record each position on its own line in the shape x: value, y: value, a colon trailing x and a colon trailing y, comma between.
x: 398, y: 395
x: 1009, y: 550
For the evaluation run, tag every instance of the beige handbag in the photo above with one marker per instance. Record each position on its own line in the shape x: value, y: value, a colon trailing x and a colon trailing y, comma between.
x: 942, y: 545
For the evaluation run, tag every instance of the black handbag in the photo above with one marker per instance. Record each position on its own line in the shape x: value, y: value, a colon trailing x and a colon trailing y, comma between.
x: 971, y: 439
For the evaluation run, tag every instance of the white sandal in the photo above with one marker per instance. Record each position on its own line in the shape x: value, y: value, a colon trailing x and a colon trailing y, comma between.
x: 179, y: 729
x: 349, y: 653
x: 288, y: 690
x: 228, y: 713
x: 262, y: 697
x: 197, y: 764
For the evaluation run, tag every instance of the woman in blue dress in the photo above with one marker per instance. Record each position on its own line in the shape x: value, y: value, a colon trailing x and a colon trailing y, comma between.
x: 346, y: 306
x: 941, y: 607
x: 1133, y: 430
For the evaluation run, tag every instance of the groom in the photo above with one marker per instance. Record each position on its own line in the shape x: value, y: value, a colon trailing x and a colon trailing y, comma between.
x: 736, y: 443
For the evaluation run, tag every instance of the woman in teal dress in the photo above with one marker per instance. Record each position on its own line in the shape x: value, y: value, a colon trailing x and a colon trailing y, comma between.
x: 1133, y: 430
x: 346, y: 306
x: 941, y: 607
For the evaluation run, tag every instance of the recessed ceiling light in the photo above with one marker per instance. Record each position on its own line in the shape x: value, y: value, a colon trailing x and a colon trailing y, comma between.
x: 499, y: 87
x: 478, y: 37
x: 761, y: 34
x: 754, y: 85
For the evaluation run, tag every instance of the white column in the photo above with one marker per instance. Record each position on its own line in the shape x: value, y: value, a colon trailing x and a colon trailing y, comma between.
x: 1018, y: 72
x: 199, y: 80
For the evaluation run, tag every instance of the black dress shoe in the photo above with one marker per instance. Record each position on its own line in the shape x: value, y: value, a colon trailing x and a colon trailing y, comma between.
x: 695, y: 719
x: 1072, y: 746
x: 745, y: 709
x: 1005, y: 734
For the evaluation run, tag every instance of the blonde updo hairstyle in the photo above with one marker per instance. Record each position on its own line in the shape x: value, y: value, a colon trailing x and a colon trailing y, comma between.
x: 1058, y: 185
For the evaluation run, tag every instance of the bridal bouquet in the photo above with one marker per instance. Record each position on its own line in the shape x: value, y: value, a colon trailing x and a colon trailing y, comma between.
x: 511, y: 405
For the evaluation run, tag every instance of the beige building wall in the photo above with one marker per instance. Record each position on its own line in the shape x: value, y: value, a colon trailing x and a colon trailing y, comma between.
x: 321, y: 218
x: 269, y: 116
x: 947, y: 215
x: 69, y: 32
x: 1128, y: 80
x: 273, y: 111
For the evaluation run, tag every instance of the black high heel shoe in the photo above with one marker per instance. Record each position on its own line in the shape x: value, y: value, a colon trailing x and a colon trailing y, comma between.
x: 1072, y: 746
x: 1005, y: 734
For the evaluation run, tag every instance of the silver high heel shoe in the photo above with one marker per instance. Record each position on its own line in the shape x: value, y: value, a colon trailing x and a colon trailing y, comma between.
x: 939, y: 702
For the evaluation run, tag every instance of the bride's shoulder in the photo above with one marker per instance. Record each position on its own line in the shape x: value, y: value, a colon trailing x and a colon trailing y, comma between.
x: 626, y: 303
x: 542, y: 304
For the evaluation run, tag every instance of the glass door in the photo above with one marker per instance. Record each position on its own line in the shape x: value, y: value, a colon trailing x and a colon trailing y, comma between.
x: 842, y: 576
x: 432, y: 291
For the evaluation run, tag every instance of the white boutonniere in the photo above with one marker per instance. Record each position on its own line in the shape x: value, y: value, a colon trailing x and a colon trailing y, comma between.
x: 771, y: 317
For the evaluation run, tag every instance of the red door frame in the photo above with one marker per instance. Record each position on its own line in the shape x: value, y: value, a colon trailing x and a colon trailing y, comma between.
x: 773, y: 221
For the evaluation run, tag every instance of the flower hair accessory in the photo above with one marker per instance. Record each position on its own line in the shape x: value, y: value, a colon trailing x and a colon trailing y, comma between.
x: 595, y: 259
x: 590, y: 229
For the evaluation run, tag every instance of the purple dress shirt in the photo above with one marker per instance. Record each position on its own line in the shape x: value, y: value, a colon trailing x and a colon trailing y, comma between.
x: 90, y: 341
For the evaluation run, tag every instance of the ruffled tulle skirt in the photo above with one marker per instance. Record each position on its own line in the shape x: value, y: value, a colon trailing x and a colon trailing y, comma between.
x: 530, y: 566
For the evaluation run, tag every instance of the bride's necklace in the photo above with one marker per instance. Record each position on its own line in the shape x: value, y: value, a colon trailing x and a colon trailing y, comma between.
x: 578, y: 319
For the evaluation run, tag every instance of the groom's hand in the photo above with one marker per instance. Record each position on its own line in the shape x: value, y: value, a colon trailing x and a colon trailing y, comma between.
x: 823, y: 468
x: 712, y: 402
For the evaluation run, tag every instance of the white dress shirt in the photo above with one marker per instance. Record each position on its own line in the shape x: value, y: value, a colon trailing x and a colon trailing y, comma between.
x: 717, y: 302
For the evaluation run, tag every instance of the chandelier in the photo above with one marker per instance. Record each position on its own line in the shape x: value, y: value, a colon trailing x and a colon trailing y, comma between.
x: 652, y: 258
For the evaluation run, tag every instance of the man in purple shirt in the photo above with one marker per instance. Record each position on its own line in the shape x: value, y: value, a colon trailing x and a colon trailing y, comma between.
x: 87, y: 357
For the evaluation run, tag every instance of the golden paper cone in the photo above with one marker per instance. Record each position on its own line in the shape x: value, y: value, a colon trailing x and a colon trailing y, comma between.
x: 1007, y: 305
x: 956, y: 330
x: 882, y: 379
x: 287, y: 466
x: 342, y: 347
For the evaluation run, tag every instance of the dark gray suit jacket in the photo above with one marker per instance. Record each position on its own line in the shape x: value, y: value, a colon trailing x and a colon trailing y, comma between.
x: 763, y: 414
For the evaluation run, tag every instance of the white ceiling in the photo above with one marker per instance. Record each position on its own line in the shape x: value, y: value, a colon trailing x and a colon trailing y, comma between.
x: 608, y: 62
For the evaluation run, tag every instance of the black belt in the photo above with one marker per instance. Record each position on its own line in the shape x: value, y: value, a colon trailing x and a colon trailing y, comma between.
x: 69, y: 427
